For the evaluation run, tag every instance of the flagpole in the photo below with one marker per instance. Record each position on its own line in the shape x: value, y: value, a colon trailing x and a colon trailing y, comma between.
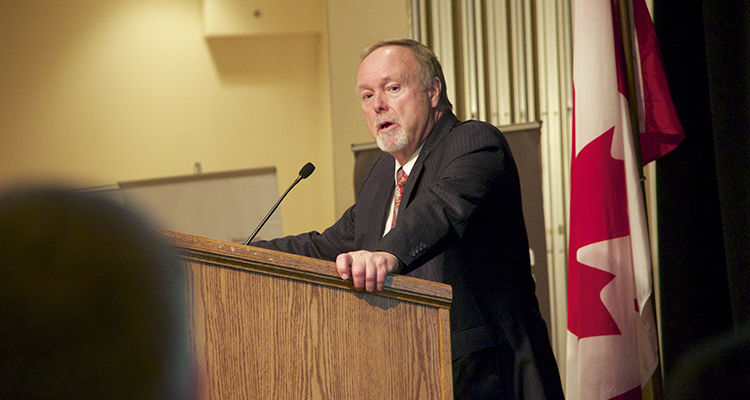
x: 623, y: 12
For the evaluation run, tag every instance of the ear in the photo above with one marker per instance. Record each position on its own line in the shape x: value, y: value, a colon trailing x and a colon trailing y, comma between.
x: 434, y: 92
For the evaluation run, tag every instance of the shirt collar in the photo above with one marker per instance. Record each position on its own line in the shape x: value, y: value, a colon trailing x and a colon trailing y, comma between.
x: 409, y: 164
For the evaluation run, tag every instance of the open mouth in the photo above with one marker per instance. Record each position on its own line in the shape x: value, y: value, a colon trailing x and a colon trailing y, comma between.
x: 385, y: 125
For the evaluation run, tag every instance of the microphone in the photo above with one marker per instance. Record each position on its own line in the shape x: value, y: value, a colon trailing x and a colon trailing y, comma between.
x: 303, y: 173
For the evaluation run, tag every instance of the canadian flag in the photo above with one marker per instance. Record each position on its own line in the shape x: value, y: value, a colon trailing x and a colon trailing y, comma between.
x: 612, y: 339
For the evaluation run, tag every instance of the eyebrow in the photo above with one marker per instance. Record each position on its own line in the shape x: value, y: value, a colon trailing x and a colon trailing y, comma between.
x: 390, y: 78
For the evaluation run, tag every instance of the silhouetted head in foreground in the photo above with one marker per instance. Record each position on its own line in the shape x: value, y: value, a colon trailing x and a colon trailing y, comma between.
x: 92, y: 302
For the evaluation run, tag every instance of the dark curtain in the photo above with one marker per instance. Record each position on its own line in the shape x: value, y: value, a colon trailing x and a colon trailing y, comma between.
x: 703, y: 186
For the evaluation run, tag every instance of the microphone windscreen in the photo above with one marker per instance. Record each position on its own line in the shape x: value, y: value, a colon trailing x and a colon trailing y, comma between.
x: 306, y: 170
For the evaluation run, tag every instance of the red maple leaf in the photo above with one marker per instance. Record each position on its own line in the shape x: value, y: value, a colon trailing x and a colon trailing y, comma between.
x: 598, y: 212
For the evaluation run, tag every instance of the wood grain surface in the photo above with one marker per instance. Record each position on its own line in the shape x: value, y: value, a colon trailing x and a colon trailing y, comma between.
x: 266, y: 325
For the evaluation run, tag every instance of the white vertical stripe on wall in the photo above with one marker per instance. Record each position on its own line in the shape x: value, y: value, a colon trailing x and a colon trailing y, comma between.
x: 442, y: 12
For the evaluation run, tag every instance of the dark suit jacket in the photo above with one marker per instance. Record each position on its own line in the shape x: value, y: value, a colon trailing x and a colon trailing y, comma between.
x: 460, y: 222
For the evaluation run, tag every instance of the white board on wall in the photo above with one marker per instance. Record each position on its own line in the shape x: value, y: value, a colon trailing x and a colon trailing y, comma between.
x: 224, y: 206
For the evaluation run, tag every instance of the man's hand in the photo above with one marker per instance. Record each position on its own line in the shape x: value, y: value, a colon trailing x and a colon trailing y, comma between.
x: 368, y: 269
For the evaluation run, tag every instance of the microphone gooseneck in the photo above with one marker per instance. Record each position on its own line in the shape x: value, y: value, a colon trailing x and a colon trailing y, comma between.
x: 303, y: 173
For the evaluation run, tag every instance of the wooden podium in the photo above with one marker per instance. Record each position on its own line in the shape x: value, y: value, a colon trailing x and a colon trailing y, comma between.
x: 270, y: 325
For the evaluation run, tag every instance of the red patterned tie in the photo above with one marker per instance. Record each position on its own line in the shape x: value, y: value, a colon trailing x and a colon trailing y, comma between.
x: 400, y: 180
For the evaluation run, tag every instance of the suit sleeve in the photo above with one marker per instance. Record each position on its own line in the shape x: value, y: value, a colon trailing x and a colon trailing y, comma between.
x: 325, y: 246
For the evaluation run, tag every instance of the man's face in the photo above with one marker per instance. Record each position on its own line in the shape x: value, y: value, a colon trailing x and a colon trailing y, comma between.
x: 398, y: 111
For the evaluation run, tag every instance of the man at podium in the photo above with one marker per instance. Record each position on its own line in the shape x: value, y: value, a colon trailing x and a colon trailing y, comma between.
x: 445, y: 205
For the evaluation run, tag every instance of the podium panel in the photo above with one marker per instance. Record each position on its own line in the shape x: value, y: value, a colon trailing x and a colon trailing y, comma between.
x: 270, y: 325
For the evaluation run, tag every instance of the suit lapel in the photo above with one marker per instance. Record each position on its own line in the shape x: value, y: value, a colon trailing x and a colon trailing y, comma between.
x: 375, y: 206
x: 442, y: 127
x: 385, y: 197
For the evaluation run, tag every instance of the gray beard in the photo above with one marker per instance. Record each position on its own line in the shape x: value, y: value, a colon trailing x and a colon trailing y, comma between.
x: 398, y: 141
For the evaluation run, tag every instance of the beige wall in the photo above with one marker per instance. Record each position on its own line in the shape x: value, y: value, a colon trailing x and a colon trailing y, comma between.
x: 352, y: 25
x: 97, y: 92
x: 94, y: 92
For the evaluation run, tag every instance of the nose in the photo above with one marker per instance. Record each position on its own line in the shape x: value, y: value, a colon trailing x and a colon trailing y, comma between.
x: 379, y: 103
